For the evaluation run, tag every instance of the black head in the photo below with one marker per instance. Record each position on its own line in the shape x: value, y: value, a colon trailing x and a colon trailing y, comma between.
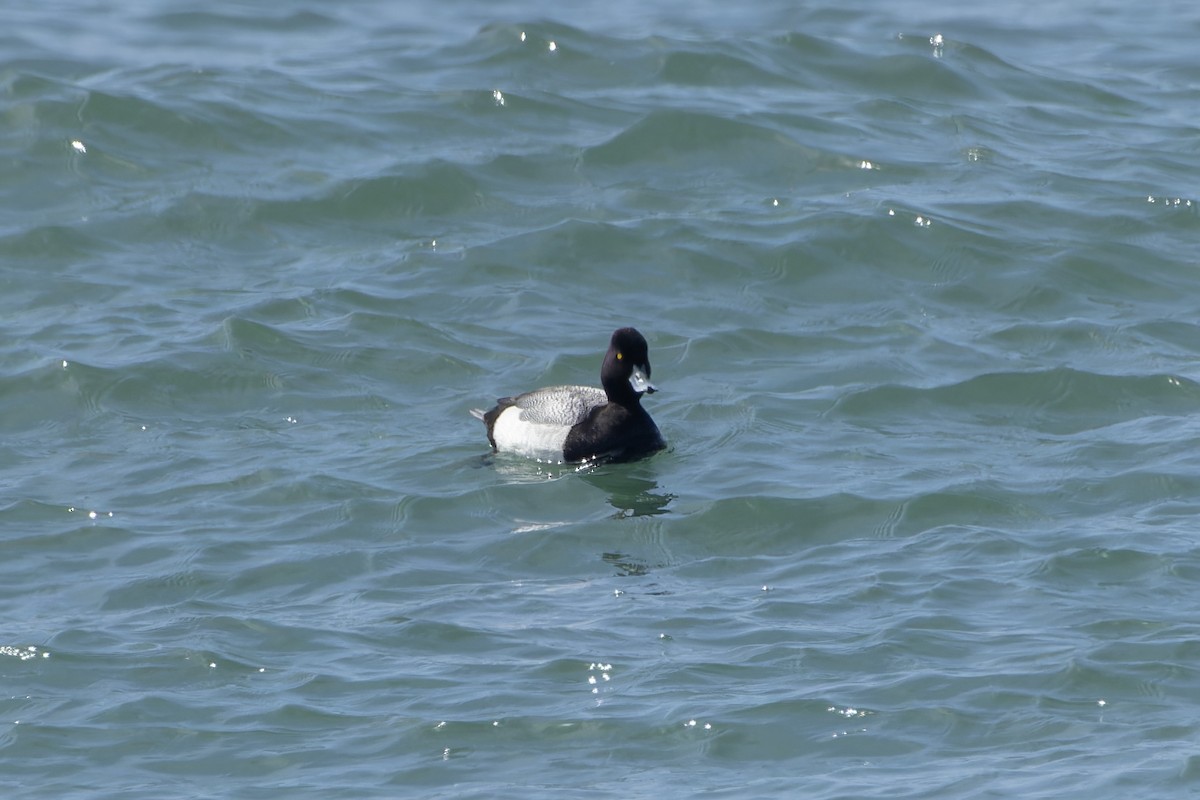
x: 625, y: 373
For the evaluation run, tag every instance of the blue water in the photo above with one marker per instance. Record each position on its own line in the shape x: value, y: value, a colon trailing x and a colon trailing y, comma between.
x: 921, y: 291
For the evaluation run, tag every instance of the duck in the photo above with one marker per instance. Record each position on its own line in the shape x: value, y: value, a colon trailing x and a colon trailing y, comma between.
x: 568, y: 424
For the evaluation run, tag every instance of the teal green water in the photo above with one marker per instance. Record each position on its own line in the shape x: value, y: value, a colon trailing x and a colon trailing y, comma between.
x: 921, y: 291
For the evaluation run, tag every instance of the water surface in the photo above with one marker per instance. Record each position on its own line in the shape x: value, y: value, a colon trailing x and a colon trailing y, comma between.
x: 920, y: 290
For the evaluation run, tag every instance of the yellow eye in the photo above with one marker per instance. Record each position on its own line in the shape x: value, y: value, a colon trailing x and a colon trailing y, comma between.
x: 619, y: 356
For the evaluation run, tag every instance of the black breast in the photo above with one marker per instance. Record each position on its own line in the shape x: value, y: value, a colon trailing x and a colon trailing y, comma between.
x: 613, y: 432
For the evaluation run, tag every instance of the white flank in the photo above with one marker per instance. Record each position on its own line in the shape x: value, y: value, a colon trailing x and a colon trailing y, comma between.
x: 514, y: 435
